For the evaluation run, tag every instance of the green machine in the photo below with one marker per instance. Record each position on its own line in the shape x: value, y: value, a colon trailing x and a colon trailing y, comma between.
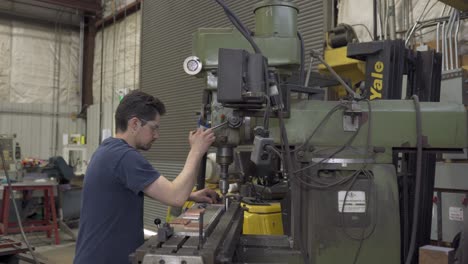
x: 331, y: 163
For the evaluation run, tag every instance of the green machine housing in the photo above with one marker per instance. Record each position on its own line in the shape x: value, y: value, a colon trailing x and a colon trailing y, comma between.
x: 371, y: 224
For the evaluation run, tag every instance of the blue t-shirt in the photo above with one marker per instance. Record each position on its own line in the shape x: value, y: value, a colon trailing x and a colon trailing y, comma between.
x: 111, y: 221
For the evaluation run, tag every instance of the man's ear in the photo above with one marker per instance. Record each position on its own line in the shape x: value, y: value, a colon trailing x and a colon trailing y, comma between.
x: 133, y: 123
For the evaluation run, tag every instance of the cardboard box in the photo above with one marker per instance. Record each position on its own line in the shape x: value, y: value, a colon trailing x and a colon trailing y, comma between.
x: 436, y: 255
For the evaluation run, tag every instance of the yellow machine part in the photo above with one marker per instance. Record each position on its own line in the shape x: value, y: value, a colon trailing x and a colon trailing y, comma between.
x: 263, y: 219
x: 258, y: 219
x: 344, y: 66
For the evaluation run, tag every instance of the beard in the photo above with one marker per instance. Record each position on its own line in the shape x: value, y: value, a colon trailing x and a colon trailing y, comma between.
x: 145, y: 147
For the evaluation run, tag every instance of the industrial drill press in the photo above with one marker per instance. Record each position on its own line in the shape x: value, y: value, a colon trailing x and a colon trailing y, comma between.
x: 334, y: 157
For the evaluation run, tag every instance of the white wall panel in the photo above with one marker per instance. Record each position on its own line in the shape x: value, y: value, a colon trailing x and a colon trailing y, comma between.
x: 37, y: 61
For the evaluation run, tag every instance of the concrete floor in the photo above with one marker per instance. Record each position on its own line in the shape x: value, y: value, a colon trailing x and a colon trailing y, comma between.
x: 47, y: 251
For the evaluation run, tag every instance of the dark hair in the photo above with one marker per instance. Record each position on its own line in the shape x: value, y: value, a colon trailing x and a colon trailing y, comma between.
x: 137, y: 104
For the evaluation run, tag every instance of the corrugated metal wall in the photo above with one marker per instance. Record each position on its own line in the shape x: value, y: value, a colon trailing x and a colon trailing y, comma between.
x: 167, y: 29
x: 34, y: 126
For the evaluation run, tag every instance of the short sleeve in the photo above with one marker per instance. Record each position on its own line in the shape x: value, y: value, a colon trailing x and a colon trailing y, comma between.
x: 135, y: 172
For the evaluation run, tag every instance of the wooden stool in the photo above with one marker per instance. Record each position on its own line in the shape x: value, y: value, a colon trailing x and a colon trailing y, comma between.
x: 31, y: 225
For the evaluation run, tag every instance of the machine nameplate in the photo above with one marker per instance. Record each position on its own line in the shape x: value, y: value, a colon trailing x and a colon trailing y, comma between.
x: 355, y: 202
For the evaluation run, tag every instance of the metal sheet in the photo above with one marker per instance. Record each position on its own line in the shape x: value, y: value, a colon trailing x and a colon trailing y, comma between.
x: 210, y: 219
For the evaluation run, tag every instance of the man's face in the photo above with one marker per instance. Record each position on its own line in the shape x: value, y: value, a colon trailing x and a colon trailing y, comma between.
x: 147, y: 133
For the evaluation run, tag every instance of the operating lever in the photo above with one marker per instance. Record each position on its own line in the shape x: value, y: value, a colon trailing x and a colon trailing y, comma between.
x: 219, y: 125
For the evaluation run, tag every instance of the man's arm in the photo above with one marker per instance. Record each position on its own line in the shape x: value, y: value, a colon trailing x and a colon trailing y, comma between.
x: 175, y: 193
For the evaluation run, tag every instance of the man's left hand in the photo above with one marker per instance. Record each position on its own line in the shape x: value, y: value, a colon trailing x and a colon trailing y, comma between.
x: 204, y: 196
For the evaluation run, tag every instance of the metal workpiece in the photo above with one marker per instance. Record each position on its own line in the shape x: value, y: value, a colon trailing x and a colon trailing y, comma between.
x: 211, y: 216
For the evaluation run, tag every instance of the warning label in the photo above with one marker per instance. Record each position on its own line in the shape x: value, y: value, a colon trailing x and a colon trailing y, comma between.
x: 456, y: 213
x: 355, y: 202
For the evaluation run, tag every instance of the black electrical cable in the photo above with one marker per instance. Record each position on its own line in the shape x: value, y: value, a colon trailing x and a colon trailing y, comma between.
x: 12, y: 198
x: 370, y: 177
x: 234, y: 19
x: 284, y: 137
x: 417, y: 198
x: 368, y: 31
x: 238, y: 24
x: 266, y: 116
x: 363, y: 236
x: 327, y: 116
x: 347, y: 144
x: 369, y: 155
x: 302, y: 69
x: 277, y: 152
x: 374, y: 18
x: 350, y: 140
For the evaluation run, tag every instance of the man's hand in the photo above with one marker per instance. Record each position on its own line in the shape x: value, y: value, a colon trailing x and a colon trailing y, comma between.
x: 204, y: 196
x: 200, y: 140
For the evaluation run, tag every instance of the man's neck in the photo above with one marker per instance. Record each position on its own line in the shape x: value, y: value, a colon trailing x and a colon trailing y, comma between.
x: 128, y: 137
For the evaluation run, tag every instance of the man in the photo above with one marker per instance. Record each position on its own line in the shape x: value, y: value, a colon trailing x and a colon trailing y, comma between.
x: 111, y: 222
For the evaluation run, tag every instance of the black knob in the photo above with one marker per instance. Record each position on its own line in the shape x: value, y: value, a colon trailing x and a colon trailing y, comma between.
x: 157, y: 221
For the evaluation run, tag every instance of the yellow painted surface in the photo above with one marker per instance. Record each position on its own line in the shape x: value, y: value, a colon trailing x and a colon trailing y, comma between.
x: 263, y: 219
x: 348, y: 68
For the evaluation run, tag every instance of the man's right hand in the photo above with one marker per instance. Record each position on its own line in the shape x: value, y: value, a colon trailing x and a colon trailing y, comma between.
x: 200, y: 140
